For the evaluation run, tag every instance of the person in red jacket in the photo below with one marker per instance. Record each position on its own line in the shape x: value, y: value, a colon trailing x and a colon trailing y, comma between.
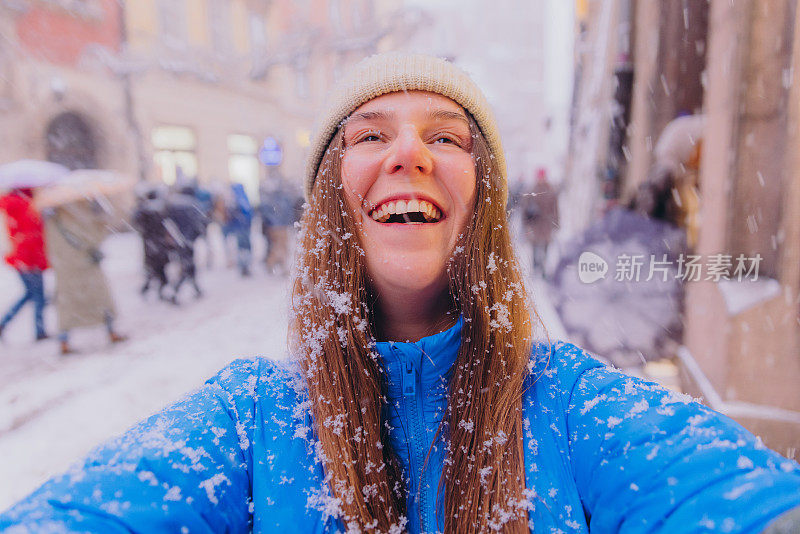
x: 27, y: 255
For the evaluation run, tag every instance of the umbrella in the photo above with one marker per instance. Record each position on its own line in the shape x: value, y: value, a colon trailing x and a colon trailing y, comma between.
x: 30, y: 173
x: 611, y: 311
x: 84, y: 184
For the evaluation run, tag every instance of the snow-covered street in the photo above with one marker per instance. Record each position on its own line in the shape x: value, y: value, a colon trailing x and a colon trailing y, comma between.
x: 55, y: 409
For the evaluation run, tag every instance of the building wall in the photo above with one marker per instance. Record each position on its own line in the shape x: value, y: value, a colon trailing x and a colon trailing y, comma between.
x: 641, y: 137
x: 49, y: 62
x: 597, y: 57
x: 745, y: 362
x: 761, y: 135
x: 58, y: 35
x: 734, y: 62
x: 670, y: 58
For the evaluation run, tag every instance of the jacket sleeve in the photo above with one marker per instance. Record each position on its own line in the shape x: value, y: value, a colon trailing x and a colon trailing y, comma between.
x: 185, y: 469
x: 647, y: 459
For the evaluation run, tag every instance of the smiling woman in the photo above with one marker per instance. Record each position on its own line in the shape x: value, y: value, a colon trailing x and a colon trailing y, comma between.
x: 451, y: 278
x: 418, y: 399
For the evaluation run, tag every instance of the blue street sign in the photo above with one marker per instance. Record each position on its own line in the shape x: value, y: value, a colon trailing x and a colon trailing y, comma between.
x: 270, y: 153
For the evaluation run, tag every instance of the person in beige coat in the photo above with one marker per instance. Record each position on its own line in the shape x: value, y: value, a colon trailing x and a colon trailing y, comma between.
x: 75, y: 232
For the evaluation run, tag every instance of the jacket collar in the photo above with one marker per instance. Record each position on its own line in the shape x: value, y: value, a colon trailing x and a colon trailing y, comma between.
x: 431, y: 356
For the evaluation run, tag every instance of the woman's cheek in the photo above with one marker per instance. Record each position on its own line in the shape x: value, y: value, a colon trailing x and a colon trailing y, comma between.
x: 356, y: 176
x: 465, y: 186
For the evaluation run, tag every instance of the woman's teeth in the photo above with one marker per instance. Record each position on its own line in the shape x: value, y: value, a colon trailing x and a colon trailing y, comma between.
x: 406, y: 211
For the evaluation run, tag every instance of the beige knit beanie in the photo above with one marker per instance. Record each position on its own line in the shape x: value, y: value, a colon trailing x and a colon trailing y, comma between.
x: 395, y: 71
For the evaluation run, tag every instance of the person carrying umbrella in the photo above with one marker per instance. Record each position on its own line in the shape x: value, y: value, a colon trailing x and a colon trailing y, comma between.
x: 670, y: 191
x: 27, y: 254
x: 74, y: 233
x: 78, y: 212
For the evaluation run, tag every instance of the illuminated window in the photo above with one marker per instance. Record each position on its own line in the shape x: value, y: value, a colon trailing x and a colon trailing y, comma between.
x: 335, y: 15
x: 175, y: 154
x: 172, y: 22
x: 301, y: 69
x: 243, y: 165
x: 258, y: 33
x: 221, y: 26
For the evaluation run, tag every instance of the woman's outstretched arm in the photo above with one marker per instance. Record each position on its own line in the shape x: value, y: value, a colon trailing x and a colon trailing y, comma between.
x: 185, y: 469
x: 649, y: 459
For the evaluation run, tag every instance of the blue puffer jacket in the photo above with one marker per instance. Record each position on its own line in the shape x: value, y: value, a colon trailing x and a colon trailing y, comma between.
x: 604, y: 453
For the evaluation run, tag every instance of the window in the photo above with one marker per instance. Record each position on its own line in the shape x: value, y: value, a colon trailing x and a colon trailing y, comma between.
x: 303, y: 137
x: 243, y: 165
x: 335, y: 15
x: 258, y: 33
x: 172, y: 21
x: 301, y: 72
x: 220, y: 26
x: 363, y: 14
x: 174, y: 152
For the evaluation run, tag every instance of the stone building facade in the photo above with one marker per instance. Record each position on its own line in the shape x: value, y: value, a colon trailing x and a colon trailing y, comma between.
x: 54, y: 103
x: 736, y: 62
x: 742, y: 344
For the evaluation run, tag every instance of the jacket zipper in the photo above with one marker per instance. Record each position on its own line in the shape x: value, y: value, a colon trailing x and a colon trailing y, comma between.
x: 409, y: 384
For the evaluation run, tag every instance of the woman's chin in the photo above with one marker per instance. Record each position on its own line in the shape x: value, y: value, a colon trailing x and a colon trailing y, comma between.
x: 404, y: 274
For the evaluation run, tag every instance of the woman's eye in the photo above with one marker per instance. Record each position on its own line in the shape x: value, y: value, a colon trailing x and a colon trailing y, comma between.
x: 369, y: 137
x: 446, y: 139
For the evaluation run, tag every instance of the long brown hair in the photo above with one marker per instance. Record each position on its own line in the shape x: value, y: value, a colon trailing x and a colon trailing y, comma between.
x: 333, y: 334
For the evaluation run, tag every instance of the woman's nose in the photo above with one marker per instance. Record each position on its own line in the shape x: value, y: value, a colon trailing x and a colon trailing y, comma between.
x: 409, y: 154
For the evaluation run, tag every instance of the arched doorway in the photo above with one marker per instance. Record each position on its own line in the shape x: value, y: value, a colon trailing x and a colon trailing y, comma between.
x: 70, y: 142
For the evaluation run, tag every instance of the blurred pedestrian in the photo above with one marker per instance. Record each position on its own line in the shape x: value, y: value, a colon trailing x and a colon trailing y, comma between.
x: 278, y: 213
x: 74, y: 233
x: 205, y: 202
x: 539, y: 212
x: 223, y: 200
x: 185, y: 223
x: 239, y: 214
x: 516, y: 190
x: 149, y: 219
x: 27, y: 255
x: 670, y: 191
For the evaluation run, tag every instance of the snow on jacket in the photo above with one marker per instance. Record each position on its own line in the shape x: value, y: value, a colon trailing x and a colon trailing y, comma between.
x: 603, y: 452
x: 25, y: 233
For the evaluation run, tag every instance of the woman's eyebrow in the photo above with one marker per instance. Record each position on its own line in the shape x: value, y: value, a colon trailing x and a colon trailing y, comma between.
x: 369, y: 116
x: 443, y: 114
